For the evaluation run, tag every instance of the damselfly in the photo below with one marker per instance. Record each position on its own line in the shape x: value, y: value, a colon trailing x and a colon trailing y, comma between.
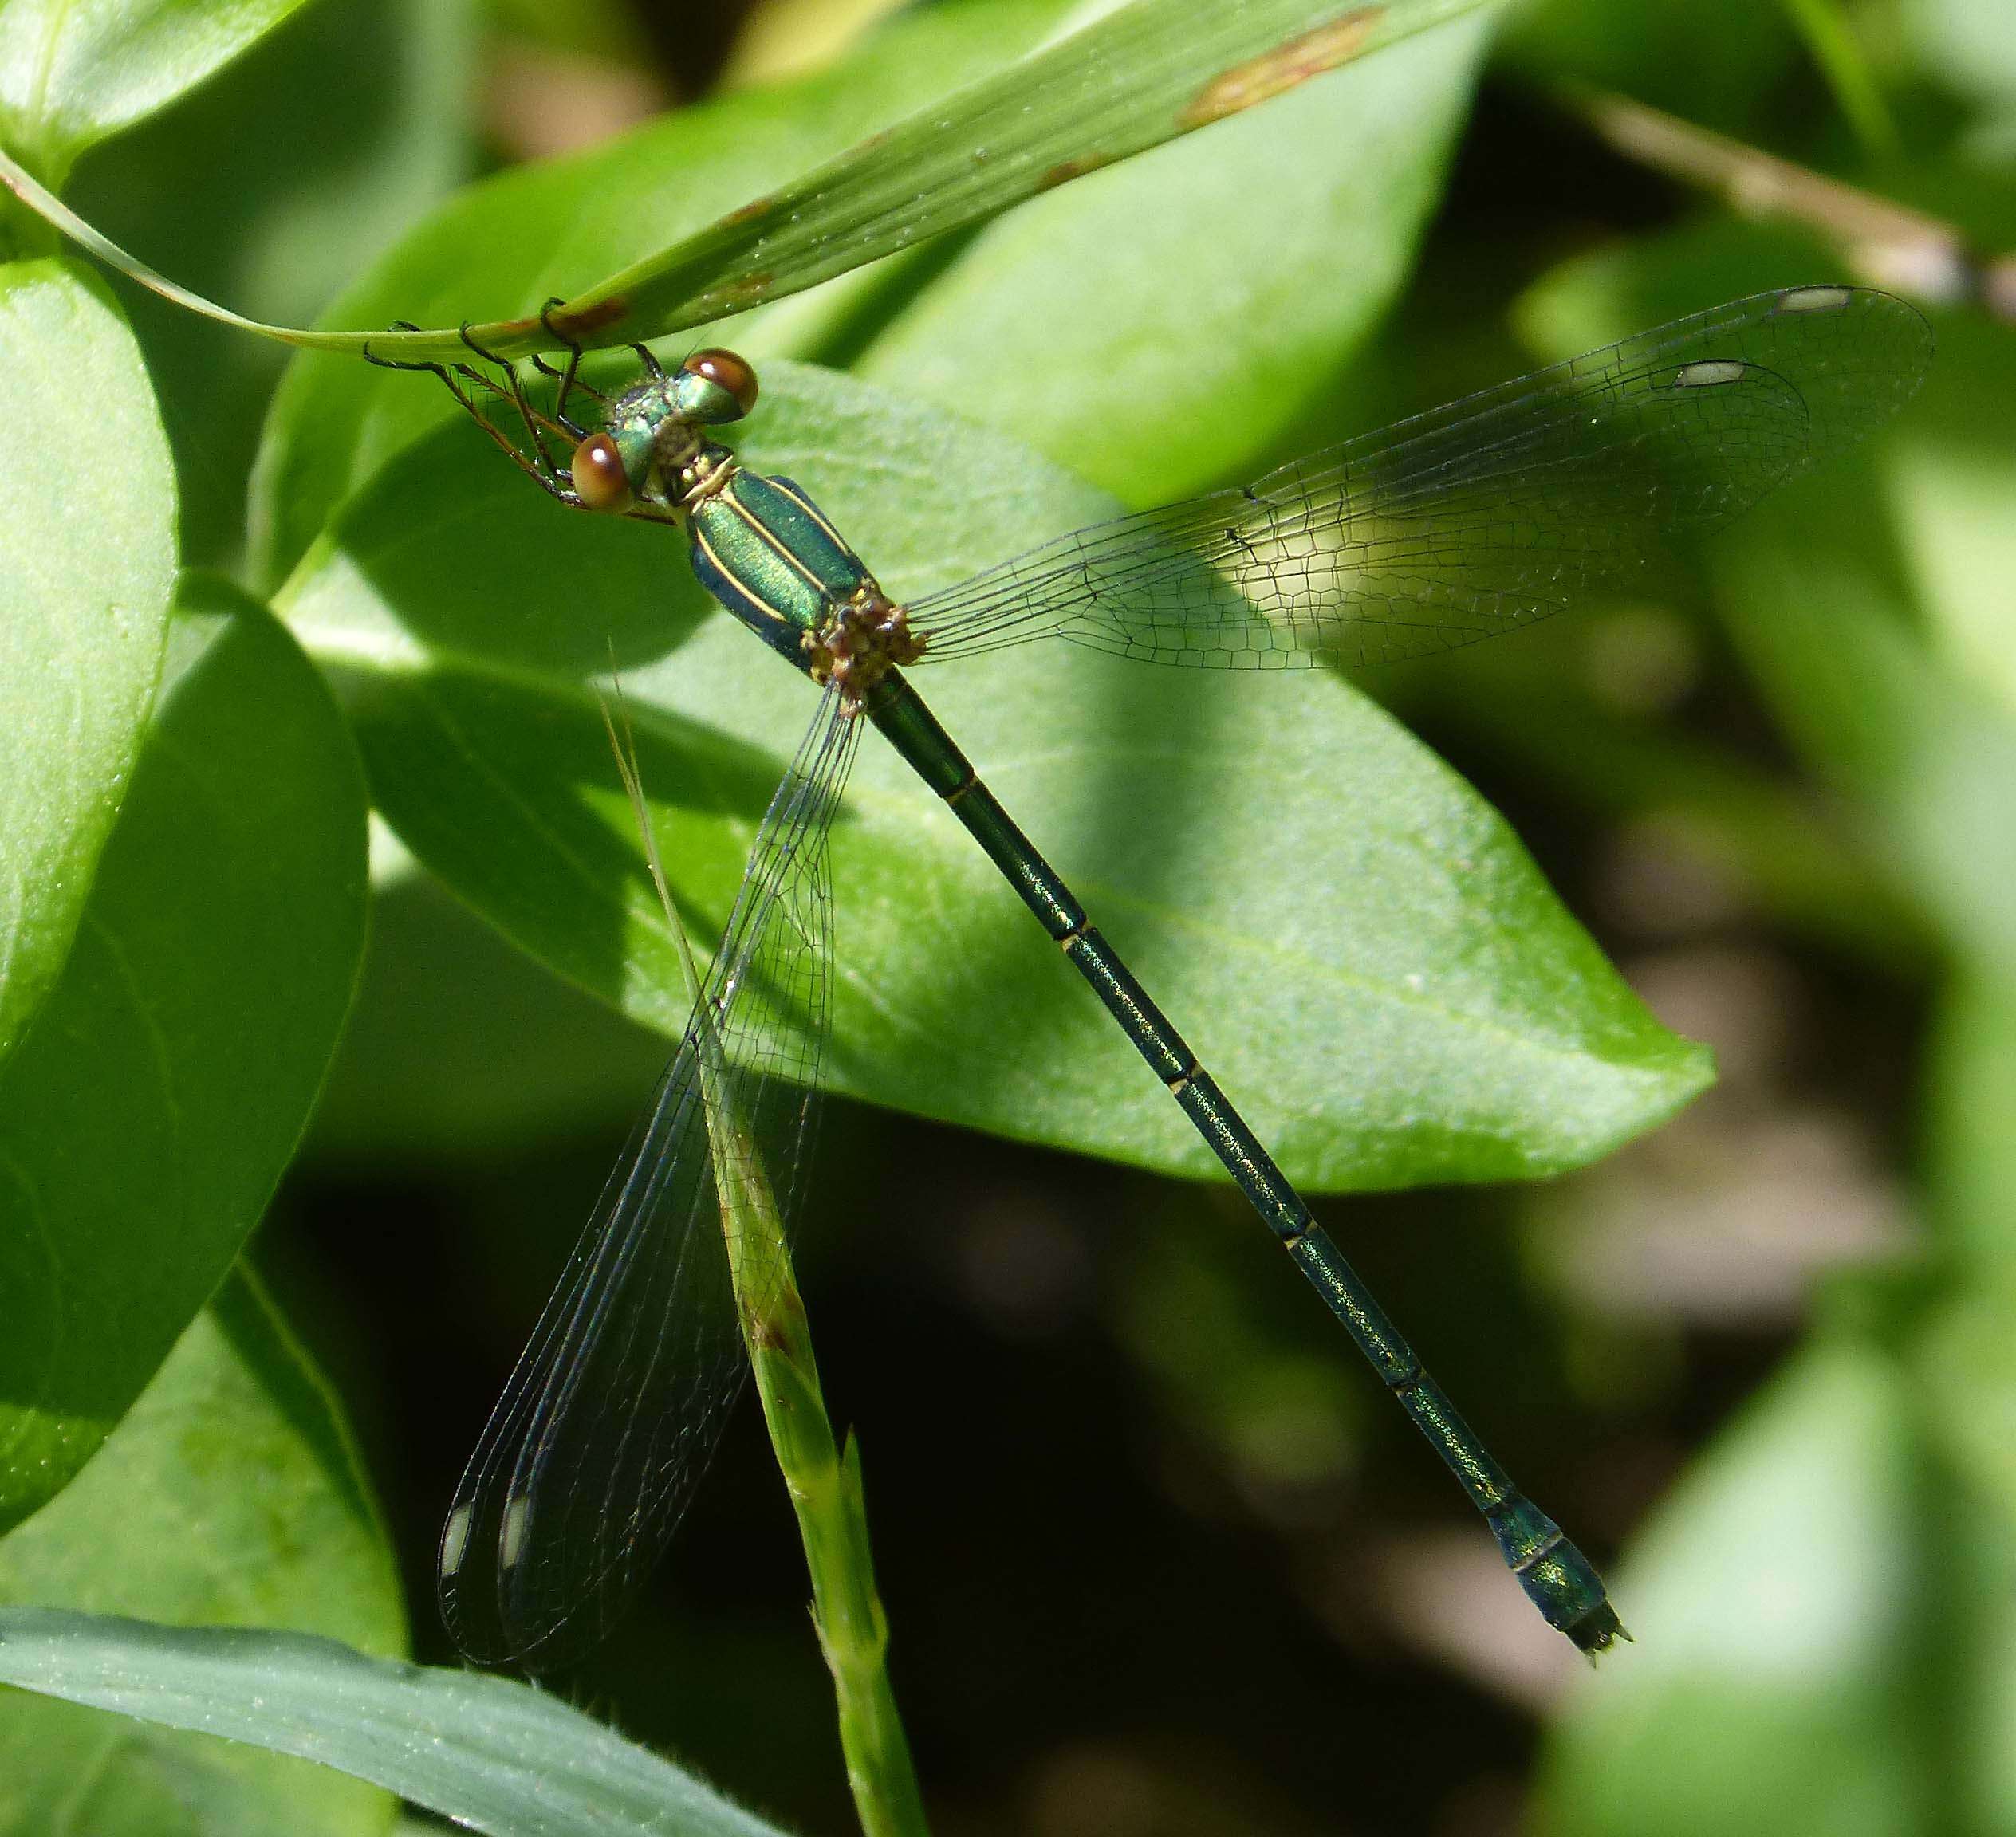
x: 1476, y: 518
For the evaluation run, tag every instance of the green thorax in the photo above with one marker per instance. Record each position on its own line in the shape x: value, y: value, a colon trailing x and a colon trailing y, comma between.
x: 762, y: 547
x: 771, y: 549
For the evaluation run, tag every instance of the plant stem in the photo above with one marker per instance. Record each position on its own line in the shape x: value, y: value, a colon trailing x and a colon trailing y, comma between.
x: 824, y: 1483
x: 1888, y: 244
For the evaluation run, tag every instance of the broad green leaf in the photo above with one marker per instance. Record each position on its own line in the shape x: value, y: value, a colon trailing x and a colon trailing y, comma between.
x: 164, y: 1084
x: 1768, y: 1694
x: 86, y: 570
x: 230, y: 1493
x: 1353, y: 941
x: 513, y: 1054
x: 73, y: 71
x: 1159, y: 327
x: 493, y: 1755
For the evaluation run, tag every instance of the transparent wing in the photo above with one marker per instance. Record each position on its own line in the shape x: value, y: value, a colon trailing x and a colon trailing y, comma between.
x: 1474, y: 518
x: 617, y: 1404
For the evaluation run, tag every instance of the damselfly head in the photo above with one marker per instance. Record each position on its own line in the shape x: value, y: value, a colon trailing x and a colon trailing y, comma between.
x: 652, y: 439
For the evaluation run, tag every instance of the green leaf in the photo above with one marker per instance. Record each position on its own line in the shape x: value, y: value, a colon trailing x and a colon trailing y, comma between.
x: 73, y: 71
x: 1830, y: 640
x: 1141, y: 75
x: 1547, y: 706
x: 1842, y: 58
x: 1711, y: 60
x: 1135, y: 77
x: 1766, y: 1695
x: 1950, y: 484
x: 230, y: 1493
x: 170, y: 1072
x: 1967, y: 1357
x: 444, y: 1003
x: 1356, y: 944
x: 493, y: 1755
x: 1233, y: 272
x: 86, y: 571
x: 1965, y: 44
x: 1816, y: 592
x: 391, y: 86
x: 508, y: 244
x: 1971, y: 1077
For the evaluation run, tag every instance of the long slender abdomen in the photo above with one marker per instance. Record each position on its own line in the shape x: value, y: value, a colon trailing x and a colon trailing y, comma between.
x: 1556, y: 1575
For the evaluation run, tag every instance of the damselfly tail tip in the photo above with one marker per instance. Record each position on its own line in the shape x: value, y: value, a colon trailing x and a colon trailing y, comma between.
x: 1598, y: 1631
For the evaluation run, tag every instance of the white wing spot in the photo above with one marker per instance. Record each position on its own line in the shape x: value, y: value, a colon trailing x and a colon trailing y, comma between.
x: 1813, y: 300
x: 454, y: 1541
x: 1710, y: 373
x: 511, y: 1546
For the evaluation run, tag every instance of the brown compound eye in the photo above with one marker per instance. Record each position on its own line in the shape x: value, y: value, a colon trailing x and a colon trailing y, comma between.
x: 600, y: 480
x: 726, y: 371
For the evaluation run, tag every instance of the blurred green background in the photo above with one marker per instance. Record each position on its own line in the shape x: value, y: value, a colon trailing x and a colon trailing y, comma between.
x: 1158, y: 1557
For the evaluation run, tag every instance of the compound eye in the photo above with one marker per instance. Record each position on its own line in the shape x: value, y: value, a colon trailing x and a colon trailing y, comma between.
x: 726, y: 372
x: 600, y: 480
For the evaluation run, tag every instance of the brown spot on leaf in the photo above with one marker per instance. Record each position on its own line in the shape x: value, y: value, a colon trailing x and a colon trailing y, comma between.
x: 1275, y: 73
x: 1065, y: 170
x: 579, y: 321
x: 748, y: 213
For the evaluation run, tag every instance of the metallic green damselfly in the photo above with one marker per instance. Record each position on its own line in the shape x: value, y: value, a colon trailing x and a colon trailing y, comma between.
x: 1476, y: 518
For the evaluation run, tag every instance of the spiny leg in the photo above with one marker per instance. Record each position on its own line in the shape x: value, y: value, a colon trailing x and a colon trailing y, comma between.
x: 538, y: 423
x: 456, y: 378
x: 513, y: 386
x: 569, y: 379
x: 460, y: 379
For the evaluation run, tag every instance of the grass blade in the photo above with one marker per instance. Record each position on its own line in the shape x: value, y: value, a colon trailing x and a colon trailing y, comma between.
x: 1142, y: 75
